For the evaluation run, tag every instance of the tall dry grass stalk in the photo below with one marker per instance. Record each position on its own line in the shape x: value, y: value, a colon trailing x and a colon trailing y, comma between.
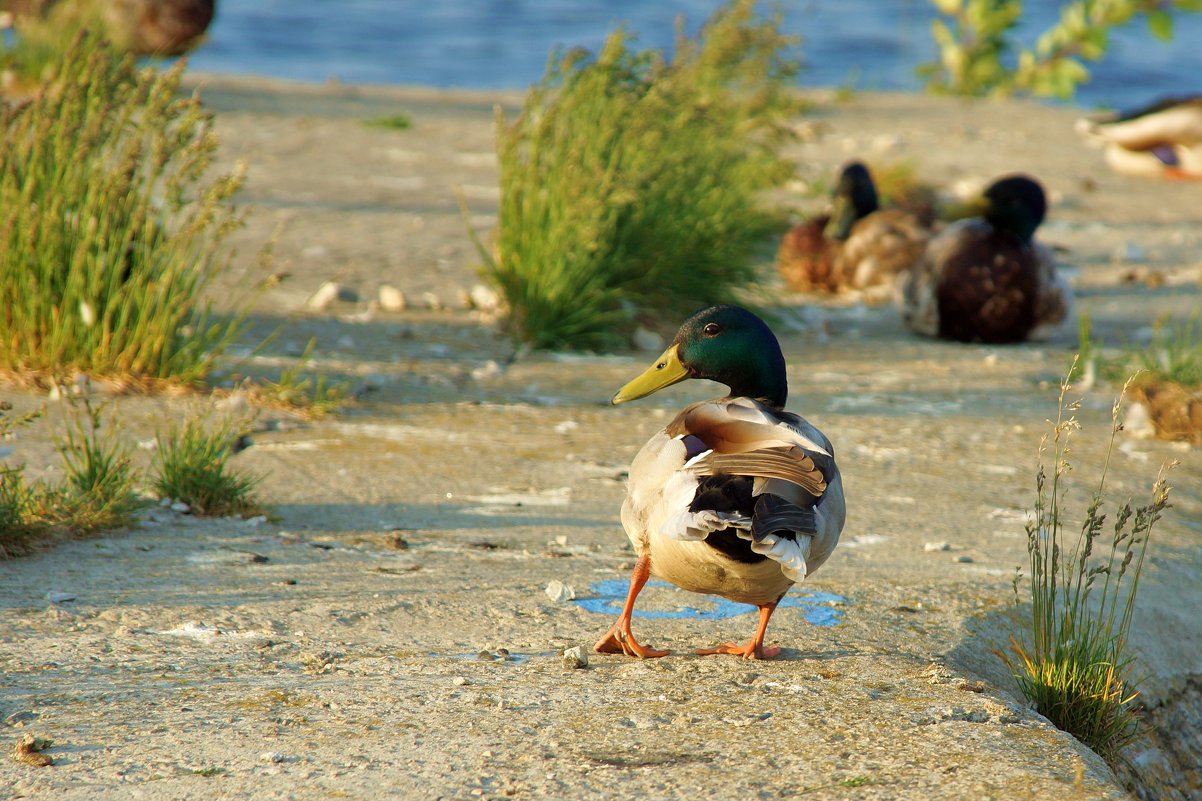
x: 1073, y: 663
x: 111, y: 226
x: 630, y: 185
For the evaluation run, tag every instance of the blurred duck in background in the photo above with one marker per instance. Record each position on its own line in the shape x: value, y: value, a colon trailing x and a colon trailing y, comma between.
x: 857, y: 246
x: 985, y: 278
x: 1161, y: 140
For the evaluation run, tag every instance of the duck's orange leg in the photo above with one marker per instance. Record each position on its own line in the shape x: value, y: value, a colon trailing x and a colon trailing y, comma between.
x: 619, y: 639
x: 754, y: 649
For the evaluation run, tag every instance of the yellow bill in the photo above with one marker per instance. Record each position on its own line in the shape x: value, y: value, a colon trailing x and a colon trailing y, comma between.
x: 666, y: 371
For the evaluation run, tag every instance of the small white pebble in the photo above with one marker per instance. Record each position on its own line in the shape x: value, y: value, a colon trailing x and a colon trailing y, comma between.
x: 391, y: 298
x: 326, y: 294
x: 460, y: 681
x: 575, y: 658
x: 559, y: 592
x: 936, y: 546
x: 181, y: 507
x: 271, y: 756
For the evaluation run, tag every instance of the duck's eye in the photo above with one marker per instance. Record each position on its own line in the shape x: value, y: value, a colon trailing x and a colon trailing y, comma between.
x: 711, y: 329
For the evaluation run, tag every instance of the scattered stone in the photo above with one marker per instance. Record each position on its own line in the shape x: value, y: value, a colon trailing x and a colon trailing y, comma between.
x: 285, y: 583
x: 646, y: 339
x: 963, y: 559
x: 936, y: 546
x: 326, y: 294
x: 391, y: 298
x: 60, y: 597
x: 431, y: 301
x: 483, y: 298
x: 490, y: 369
x: 460, y: 681
x: 254, y: 522
x: 29, y: 750
x: 274, y: 757
x: 575, y: 658
x: 181, y: 507
x: 559, y: 592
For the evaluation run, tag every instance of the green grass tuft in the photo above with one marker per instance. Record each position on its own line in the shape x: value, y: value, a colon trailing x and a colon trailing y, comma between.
x: 390, y: 122
x: 311, y: 396
x: 630, y: 186
x: 111, y: 227
x: 1074, y: 663
x: 98, y: 491
x: 191, y: 464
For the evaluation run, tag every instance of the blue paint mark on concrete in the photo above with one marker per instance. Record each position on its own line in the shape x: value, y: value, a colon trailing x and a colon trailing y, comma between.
x: 608, y: 597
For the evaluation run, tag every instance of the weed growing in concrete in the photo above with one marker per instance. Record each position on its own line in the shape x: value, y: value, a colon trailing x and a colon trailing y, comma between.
x: 1073, y: 663
x: 312, y: 396
x: 390, y: 122
x: 192, y: 464
x: 98, y: 491
x: 111, y: 227
x: 630, y: 185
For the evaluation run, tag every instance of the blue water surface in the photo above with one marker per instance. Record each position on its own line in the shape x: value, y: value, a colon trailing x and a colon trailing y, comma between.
x: 609, y: 595
x: 503, y: 44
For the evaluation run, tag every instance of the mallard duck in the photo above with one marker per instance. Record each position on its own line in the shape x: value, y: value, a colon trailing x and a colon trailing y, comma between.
x: 1163, y: 139
x: 857, y: 246
x: 736, y: 496
x: 985, y: 279
x: 143, y: 27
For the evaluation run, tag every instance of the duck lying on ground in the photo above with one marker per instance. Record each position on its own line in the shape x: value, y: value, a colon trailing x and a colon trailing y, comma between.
x: 986, y: 279
x: 857, y: 246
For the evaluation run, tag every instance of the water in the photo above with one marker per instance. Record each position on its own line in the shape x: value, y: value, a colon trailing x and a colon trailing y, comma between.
x: 609, y: 596
x: 503, y: 44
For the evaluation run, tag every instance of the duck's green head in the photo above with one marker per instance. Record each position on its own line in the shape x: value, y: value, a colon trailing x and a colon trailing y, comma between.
x: 727, y: 344
x: 855, y: 198
x: 1015, y: 203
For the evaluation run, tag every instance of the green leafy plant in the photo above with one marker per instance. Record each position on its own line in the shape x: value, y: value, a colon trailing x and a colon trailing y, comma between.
x: 630, y: 185
x: 192, y: 464
x: 978, y: 54
x: 1073, y: 663
x: 111, y: 227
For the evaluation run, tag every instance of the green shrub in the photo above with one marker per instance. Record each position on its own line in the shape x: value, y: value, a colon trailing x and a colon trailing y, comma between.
x: 191, y: 464
x: 1074, y: 663
x: 977, y: 54
x: 110, y: 227
x: 629, y: 185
